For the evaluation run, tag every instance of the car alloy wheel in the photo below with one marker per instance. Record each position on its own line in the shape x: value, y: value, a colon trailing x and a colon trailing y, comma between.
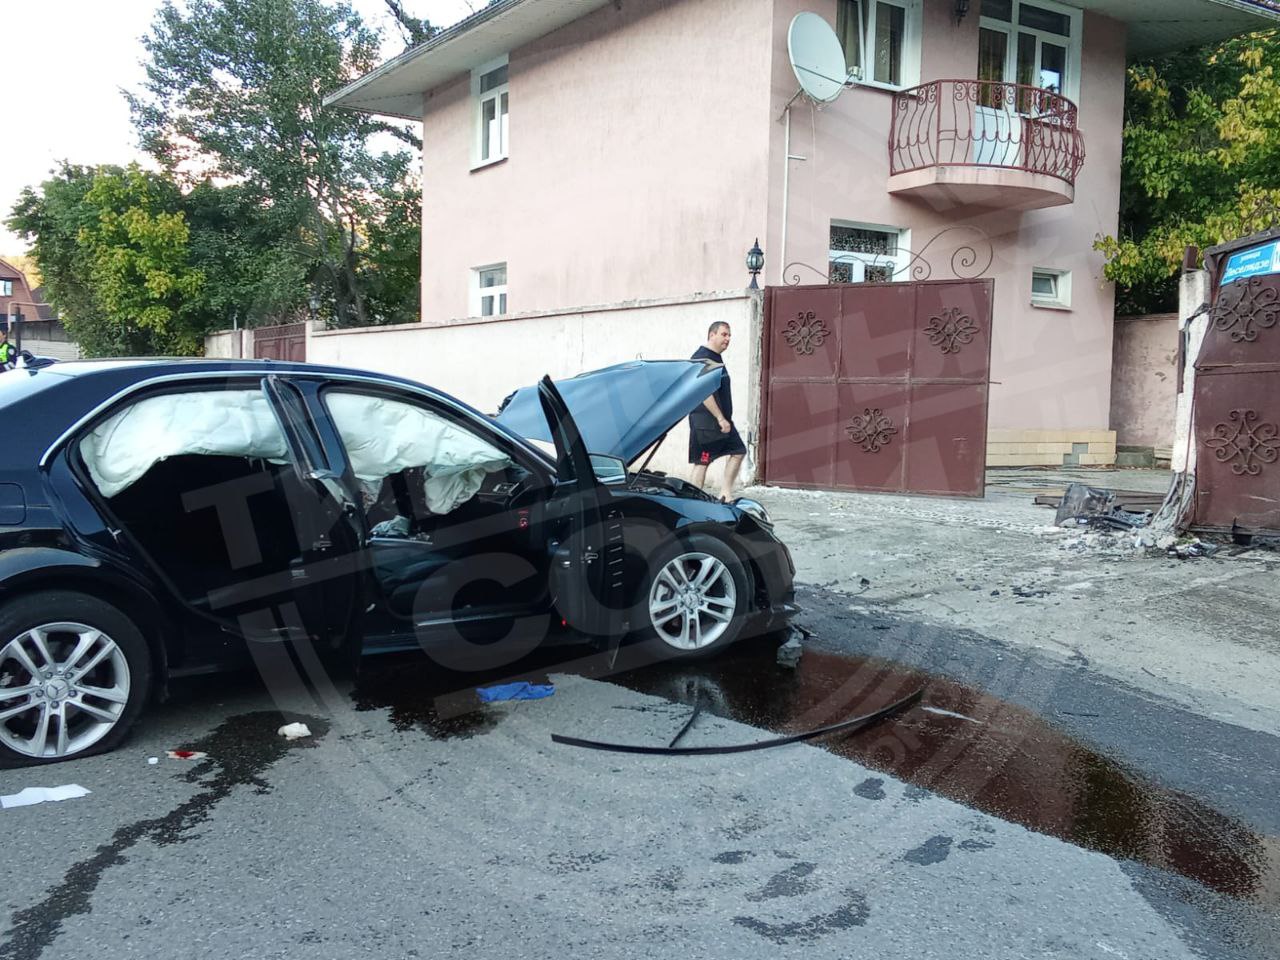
x: 692, y: 601
x: 63, y: 687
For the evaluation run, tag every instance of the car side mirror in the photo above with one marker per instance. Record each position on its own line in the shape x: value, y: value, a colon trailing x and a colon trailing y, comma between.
x: 608, y: 469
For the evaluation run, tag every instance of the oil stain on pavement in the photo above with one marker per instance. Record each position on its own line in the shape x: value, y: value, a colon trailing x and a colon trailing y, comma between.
x: 240, y: 750
x: 983, y: 752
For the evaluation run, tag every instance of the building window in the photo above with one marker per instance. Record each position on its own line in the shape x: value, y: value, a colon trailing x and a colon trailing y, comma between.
x: 1051, y: 288
x: 489, y: 290
x: 489, y: 89
x: 862, y: 253
x: 1035, y: 44
x: 881, y: 40
x: 6, y: 288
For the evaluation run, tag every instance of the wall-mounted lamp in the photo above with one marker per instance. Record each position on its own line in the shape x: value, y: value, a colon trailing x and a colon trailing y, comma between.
x: 755, y: 263
x: 961, y: 9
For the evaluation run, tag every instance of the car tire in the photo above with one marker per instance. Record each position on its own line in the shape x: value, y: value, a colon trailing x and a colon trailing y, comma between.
x: 695, y: 599
x: 81, y: 668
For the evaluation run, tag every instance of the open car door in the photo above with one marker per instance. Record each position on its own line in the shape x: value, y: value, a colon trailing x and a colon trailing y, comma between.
x: 325, y: 592
x: 587, y: 570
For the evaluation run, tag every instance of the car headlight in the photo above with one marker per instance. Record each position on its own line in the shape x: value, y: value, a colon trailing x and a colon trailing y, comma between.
x: 754, y: 509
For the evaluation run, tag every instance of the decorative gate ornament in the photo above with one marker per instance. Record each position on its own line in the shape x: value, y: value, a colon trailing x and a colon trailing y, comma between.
x: 805, y: 333
x: 1247, y: 304
x: 969, y: 261
x: 1246, y: 446
x: 871, y: 429
x: 952, y: 330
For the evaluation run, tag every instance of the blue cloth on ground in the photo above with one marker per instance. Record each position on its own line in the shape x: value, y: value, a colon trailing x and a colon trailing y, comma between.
x: 521, y: 690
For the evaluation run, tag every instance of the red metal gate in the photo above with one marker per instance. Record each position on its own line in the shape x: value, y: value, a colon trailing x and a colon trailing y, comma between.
x: 1237, y: 400
x: 878, y: 386
x: 287, y: 342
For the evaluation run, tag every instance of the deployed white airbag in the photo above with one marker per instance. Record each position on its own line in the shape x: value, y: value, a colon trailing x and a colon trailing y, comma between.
x: 229, y: 423
x: 383, y: 437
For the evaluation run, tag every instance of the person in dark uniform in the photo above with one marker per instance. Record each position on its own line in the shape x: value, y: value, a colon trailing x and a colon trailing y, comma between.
x: 712, y: 434
x: 8, y: 352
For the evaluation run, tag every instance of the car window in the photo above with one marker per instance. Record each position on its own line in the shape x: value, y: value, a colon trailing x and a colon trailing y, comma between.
x: 227, y: 423
x: 386, y: 438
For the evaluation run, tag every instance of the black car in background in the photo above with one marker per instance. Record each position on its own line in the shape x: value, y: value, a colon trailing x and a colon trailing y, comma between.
x: 164, y: 517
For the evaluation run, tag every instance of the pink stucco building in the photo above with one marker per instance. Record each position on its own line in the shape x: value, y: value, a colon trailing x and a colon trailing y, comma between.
x: 593, y: 152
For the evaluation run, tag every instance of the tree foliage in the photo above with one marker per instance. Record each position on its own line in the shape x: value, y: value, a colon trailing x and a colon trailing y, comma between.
x: 235, y: 90
x: 1201, y: 162
x: 265, y: 202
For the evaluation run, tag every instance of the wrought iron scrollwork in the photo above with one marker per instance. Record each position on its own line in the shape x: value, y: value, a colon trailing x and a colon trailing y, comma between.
x: 805, y: 333
x: 952, y: 330
x: 1244, y: 306
x: 1245, y: 443
x: 969, y: 261
x: 871, y: 430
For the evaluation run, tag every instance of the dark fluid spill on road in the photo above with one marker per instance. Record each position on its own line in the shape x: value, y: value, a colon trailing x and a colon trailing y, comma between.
x: 409, y: 685
x: 996, y: 757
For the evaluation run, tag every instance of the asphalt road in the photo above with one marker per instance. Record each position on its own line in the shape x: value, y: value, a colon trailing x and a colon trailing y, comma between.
x: 1035, y: 809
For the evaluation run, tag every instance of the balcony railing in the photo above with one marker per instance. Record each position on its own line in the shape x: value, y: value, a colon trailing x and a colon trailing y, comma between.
x: 983, y: 123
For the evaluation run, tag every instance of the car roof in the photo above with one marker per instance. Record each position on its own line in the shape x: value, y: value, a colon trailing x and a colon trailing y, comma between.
x: 51, y: 399
x: 149, y: 367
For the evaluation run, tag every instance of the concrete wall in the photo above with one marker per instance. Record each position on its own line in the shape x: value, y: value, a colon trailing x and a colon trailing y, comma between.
x: 1144, y: 392
x: 638, y: 139
x: 481, y: 361
x: 1051, y: 369
x: 229, y: 344
x: 58, y: 349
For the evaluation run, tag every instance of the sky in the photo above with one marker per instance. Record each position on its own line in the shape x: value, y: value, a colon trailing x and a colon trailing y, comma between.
x: 66, y: 62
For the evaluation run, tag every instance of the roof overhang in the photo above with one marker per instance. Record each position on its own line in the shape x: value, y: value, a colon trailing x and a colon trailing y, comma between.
x: 396, y: 88
x: 1163, y: 26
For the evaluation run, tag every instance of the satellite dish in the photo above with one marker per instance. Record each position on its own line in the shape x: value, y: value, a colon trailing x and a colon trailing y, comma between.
x: 816, y: 57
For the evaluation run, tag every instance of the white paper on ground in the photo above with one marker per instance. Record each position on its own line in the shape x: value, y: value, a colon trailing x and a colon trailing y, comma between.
x: 34, y: 795
x: 292, y: 731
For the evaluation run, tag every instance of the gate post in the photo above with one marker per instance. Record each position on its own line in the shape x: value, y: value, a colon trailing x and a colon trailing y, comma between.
x: 1193, y: 324
x: 755, y: 317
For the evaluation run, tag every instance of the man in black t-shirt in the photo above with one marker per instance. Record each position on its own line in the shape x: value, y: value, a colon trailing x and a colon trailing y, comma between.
x: 712, y: 434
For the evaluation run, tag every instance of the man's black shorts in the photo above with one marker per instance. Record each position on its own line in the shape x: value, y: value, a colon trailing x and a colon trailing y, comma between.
x: 708, y: 445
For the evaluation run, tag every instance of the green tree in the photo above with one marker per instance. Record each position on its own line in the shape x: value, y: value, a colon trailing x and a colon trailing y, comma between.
x: 235, y: 90
x: 1201, y: 162
x: 113, y: 245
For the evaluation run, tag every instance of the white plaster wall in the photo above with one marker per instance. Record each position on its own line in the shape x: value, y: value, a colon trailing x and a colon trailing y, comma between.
x: 229, y: 344
x: 58, y: 349
x: 480, y: 362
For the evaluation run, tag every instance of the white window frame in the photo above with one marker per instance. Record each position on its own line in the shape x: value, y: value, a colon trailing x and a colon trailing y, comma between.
x: 479, y: 294
x: 1072, y: 43
x: 858, y: 262
x: 496, y: 96
x: 869, y: 11
x: 1061, y: 300
x: 6, y: 288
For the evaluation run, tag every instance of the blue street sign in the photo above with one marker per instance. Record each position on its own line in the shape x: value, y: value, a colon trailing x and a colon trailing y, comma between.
x: 1257, y: 262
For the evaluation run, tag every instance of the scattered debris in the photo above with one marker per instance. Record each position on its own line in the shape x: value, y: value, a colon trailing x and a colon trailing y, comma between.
x: 520, y: 690
x: 688, y: 724
x: 1191, y: 549
x: 846, y: 727
x: 790, y: 652
x: 949, y: 713
x: 188, y: 754
x: 33, y: 795
x: 1019, y: 591
x: 294, y: 731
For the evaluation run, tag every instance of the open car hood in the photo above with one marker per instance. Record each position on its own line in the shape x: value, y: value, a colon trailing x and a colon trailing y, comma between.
x: 622, y: 410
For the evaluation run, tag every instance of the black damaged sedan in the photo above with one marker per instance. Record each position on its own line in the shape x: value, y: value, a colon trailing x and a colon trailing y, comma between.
x: 162, y: 518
